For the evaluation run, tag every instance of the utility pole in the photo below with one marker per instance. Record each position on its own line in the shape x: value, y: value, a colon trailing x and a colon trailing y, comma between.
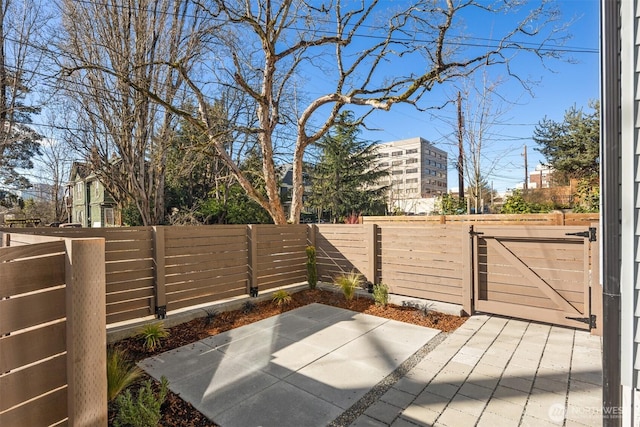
x: 460, y: 149
x: 526, y: 175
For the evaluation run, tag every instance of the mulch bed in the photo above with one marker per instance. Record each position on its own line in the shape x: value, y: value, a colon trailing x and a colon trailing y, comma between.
x: 177, y: 412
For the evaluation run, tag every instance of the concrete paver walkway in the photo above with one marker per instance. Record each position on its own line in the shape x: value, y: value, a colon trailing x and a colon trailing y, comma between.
x: 307, y: 368
x: 301, y: 368
x: 499, y: 372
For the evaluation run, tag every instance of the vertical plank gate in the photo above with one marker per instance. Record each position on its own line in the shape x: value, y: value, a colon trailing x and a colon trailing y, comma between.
x: 536, y: 273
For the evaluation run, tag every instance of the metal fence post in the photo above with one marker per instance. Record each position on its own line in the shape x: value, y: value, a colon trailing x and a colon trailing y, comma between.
x: 86, y: 332
x: 372, y: 243
x: 159, y: 288
x: 252, y: 282
x: 468, y: 261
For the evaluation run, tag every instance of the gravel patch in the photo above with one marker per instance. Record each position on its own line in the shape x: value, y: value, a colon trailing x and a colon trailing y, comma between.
x: 372, y: 396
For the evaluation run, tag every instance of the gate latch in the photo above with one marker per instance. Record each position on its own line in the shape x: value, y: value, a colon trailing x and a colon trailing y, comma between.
x: 591, y: 320
x: 590, y: 233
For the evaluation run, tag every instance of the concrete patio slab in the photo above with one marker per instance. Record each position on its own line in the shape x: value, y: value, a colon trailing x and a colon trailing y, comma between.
x: 301, y: 368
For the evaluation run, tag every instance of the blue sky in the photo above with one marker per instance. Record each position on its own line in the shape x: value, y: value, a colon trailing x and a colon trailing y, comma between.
x: 561, y: 85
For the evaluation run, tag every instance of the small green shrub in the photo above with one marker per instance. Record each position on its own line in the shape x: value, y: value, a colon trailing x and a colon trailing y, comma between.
x: 144, y: 410
x: 312, y: 270
x: 121, y: 372
x: 281, y: 298
x: 152, y: 335
x: 381, y: 294
x: 348, y: 283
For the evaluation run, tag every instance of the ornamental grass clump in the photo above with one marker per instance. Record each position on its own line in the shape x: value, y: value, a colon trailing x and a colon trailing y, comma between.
x: 281, y: 298
x: 348, y: 283
x: 152, y: 335
x: 121, y: 372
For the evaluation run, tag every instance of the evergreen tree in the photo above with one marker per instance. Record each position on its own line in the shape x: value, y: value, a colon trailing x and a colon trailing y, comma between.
x: 345, y: 180
x: 20, y: 32
x: 571, y: 147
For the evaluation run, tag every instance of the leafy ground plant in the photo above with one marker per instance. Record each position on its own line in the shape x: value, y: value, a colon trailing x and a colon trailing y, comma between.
x: 281, y: 298
x: 381, y: 294
x: 144, y: 410
x: 152, y: 335
x: 212, y: 315
x: 348, y: 283
x: 248, y: 307
x: 121, y: 372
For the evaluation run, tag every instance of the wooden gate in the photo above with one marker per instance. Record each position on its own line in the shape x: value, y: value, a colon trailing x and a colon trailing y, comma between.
x: 536, y: 273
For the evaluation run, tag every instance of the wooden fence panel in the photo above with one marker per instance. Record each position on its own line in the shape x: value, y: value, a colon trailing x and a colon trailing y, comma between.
x: 204, y: 264
x: 554, y: 218
x: 51, y: 311
x: 342, y: 248
x: 280, y: 257
x: 424, y: 261
x: 129, y: 264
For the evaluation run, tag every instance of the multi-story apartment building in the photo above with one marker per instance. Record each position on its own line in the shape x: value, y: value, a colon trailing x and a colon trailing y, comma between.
x: 417, y: 169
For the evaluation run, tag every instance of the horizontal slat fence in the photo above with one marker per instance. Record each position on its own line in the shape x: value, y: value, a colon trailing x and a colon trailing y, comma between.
x: 555, y: 218
x: 153, y: 269
x: 343, y: 248
x: 424, y: 262
x: 278, y: 255
x: 129, y: 266
x: 52, y: 340
x: 204, y: 264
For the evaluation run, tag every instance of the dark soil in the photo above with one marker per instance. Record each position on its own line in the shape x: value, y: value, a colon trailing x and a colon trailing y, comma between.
x: 177, y: 412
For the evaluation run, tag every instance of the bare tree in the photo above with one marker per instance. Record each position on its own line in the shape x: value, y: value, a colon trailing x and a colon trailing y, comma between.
x: 484, y: 151
x: 124, y: 133
x: 21, y: 53
x: 266, y: 49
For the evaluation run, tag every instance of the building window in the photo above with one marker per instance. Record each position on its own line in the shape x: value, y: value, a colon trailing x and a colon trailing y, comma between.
x: 96, y: 188
x: 396, y: 163
x: 396, y: 153
x: 384, y: 164
x: 412, y: 170
x: 396, y: 172
x: 380, y: 155
x: 412, y: 151
x: 79, y: 191
x: 109, y: 218
x: 412, y: 160
x: 412, y: 180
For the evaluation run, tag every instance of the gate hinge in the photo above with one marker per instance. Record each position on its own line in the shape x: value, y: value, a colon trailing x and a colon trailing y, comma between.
x: 590, y: 233
x: 591, y: 320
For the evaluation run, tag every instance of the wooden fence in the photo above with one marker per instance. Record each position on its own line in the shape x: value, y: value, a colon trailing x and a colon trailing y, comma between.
x: 52, y: 332
x: 555, y: 218
x: 152, y: 270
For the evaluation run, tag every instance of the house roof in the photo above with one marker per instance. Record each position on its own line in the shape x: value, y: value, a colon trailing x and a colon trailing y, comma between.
x: 79, y: 169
